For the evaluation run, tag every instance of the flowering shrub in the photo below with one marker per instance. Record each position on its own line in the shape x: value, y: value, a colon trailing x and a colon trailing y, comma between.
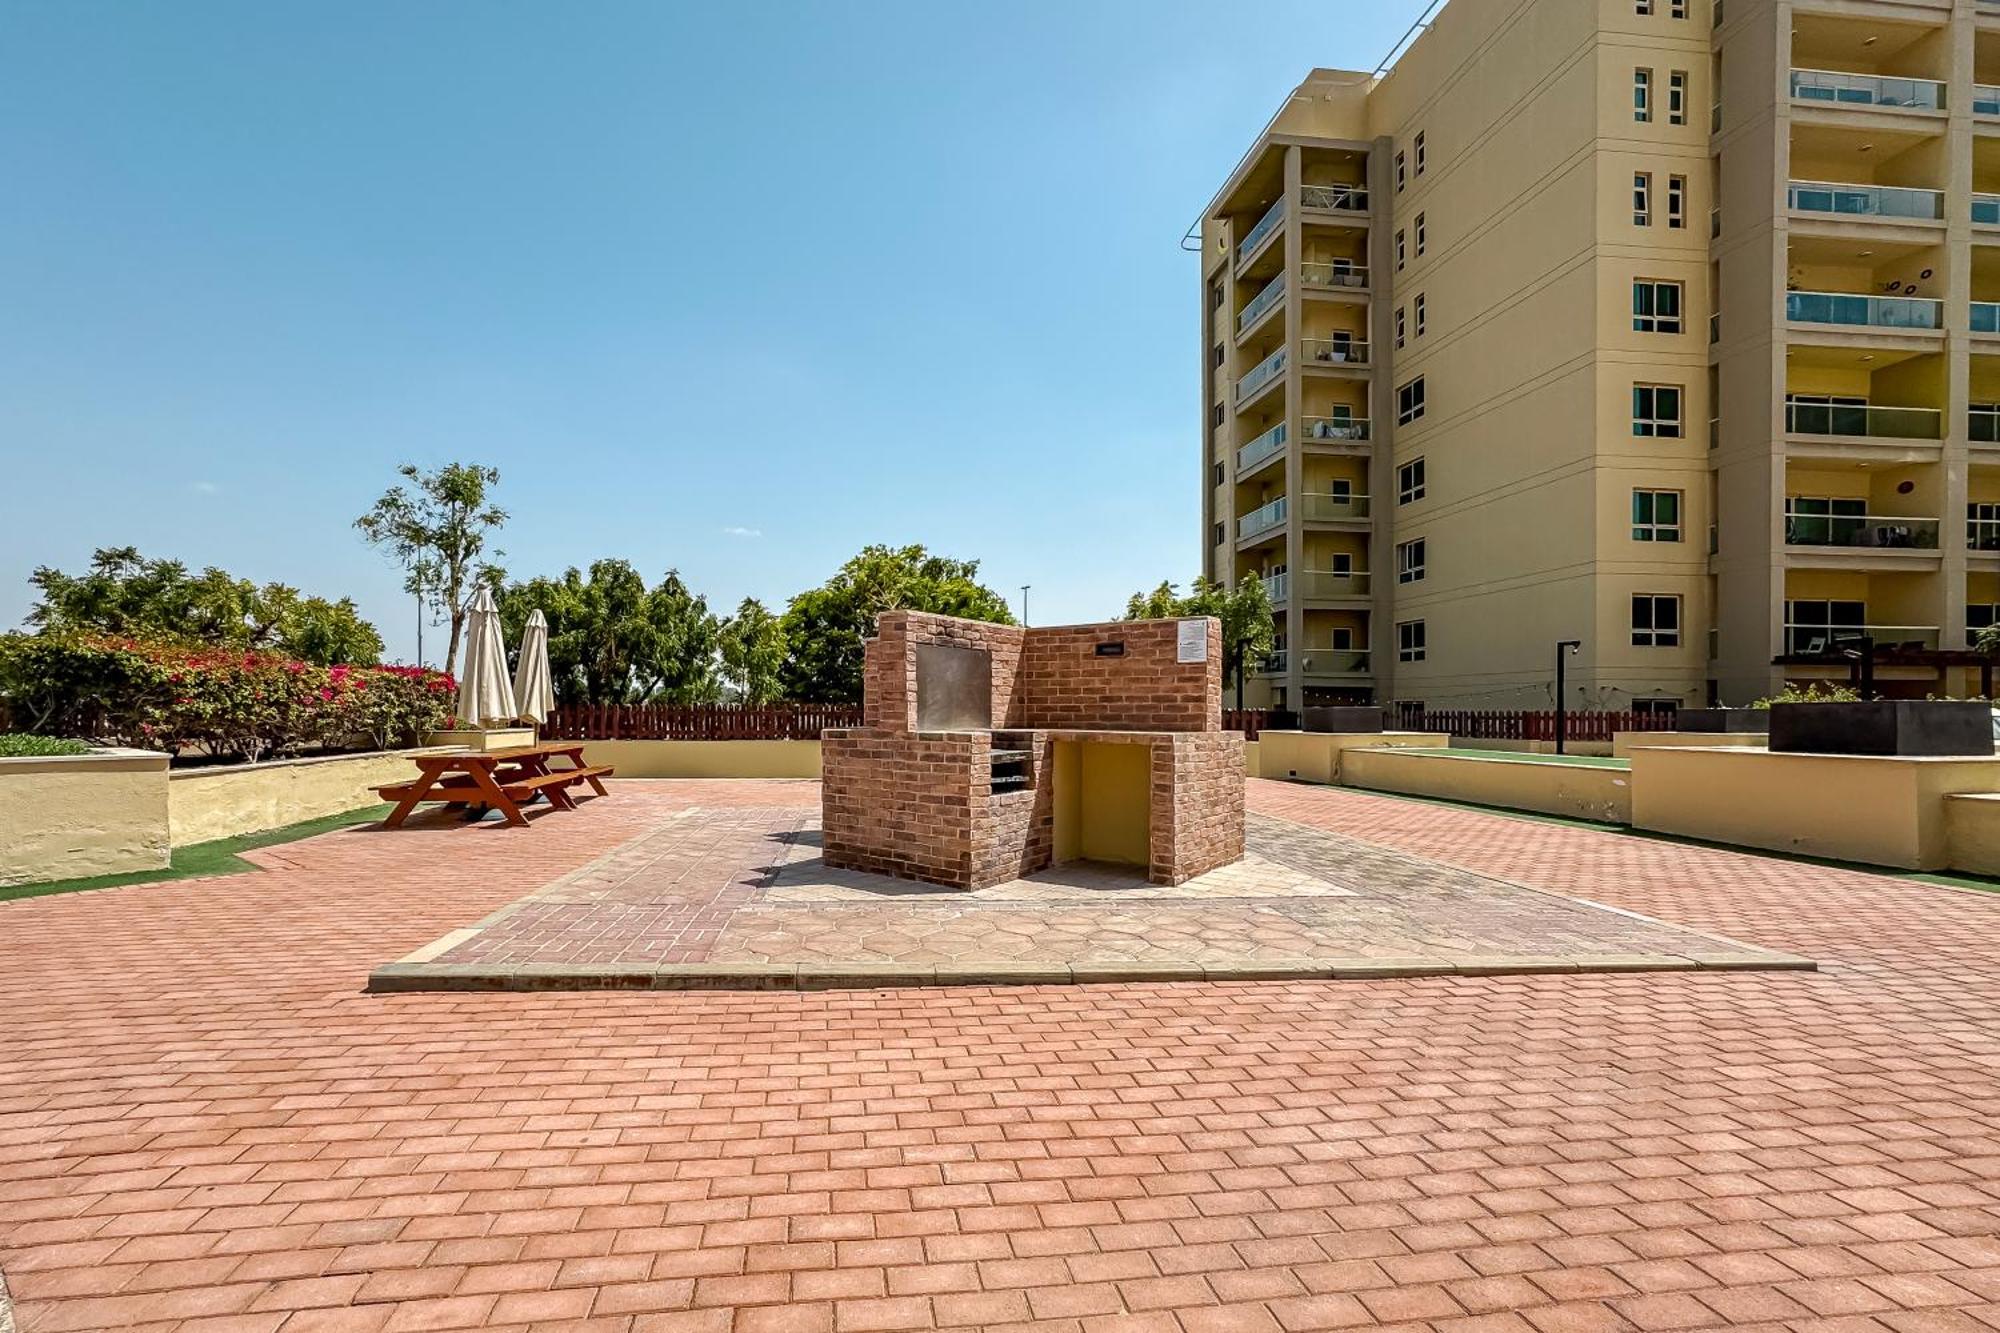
x: 166, y: 696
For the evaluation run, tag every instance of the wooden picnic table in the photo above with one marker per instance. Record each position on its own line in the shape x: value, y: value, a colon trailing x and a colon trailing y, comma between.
x: 501, y: 779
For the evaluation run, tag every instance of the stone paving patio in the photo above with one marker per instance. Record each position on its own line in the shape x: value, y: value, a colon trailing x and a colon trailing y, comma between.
x: 741, y: 897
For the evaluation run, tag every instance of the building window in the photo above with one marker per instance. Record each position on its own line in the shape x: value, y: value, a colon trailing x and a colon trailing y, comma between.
x: 1419, y: 146
x: 1410, y: 562
x: 1982, y: 526
x: 1217, y: 420
x: 1410, y: 401
x: 1677, y: 189
x: 1656, y: 306
x: 1410, y: 482
x: 1642, y: 198
x: 1813, y: 627
x: 1656, y: 411
x: 1643, y: 7
x: 1215, y: 296
x: 1218, y: 474
x: 1399, y: 326
x: 1399, y: 250
x: 1420, y: 233
x: 1218, y: 538
x: 1979, y: 616
x: 1677, y: 97
x: 1216, y: 357
x: 1656, y: 516
x: 1401, y: 166
x: 1642, y: 95
x: 1678, y: 9
x: 1410, y: 641
x: 1417, y: 308
x: 1656, y: 621
x: 1657, y: 707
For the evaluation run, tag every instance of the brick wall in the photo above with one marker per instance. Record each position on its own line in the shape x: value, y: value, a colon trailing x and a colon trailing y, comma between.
x: 901, y: 805
x: 889, y: 664
x: 1197, y: 807
x: 1064, y: 684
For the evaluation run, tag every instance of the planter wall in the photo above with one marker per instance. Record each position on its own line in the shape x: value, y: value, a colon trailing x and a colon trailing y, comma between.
x: 1907, y: 727
x: 1728, y: 721
x: 1313, y: 756
x: 1574, y: 791
x: 204, y: 804
x: 68, y: 816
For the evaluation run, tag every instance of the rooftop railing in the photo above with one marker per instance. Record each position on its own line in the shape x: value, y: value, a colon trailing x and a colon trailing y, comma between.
x: 1267, y: 445
x: 1825, y: 85
x: 1273, y: 292
x: 1333, y: 352
x: 1879, y: 531
x: 1864, y: 421
x: 1265, y: 226
x: 1261, y: 519
x: 1260, y: 375
x: 1848, y: 308
x: 1880, y: 201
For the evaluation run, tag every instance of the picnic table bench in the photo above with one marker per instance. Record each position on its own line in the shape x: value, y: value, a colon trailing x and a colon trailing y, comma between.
x: 501, y: 779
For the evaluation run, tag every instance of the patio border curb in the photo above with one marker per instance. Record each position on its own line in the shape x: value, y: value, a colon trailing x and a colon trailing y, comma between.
x: 410, y: 976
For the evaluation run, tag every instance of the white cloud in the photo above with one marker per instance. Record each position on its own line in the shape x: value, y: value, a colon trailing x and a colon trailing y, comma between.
x: 742, y: 532
x: 203, y: 487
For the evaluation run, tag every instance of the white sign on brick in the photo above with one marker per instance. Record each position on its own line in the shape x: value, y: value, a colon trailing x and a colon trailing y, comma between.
x: 1194, y: 641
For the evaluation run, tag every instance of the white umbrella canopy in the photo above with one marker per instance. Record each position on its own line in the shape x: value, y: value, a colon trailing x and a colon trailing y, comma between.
x: 534, y: 692
x: 485, y: 695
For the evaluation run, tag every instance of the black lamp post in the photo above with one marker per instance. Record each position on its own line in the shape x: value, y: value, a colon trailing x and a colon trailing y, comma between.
x: 1565, y: 648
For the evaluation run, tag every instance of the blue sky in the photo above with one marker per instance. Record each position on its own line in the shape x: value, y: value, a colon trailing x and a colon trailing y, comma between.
x: 732, y: 288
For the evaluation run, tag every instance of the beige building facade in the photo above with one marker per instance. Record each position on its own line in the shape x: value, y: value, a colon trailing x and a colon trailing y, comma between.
x: 1668, y: 328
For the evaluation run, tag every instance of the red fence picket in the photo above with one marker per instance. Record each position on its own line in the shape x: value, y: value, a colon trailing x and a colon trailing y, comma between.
x: 698, y: 722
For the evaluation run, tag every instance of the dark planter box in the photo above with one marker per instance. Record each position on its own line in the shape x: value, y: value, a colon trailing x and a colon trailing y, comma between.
x: 1884, y: 726
x: 1343, y: 719
x: 1733, y: 720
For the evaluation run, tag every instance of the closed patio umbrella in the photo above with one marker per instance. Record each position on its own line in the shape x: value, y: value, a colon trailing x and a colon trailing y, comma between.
x: 485, y: 695
x: 534, y: 694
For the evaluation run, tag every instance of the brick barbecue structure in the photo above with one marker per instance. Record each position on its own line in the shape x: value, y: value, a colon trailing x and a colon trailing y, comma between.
x: 988, y: 752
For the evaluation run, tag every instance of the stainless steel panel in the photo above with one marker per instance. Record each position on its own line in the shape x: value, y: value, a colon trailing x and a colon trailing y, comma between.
x: 954, y: 688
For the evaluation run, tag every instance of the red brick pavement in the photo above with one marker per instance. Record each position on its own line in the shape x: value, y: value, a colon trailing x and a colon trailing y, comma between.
x: 204, y: 1125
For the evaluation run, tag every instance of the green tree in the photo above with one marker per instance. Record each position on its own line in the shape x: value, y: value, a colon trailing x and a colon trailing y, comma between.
x: 124, y: 593
x: 1248, y: 631
x: 614, y: 641
x: 436, y: 528
x: 677, y: 663
x: 753, y: 653
x: 824, y: 626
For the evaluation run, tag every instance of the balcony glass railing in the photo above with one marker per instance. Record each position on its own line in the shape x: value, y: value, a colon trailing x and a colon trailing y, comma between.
x: 1262, y: 519
x: 1982, y: 534
x: 1268, y: 445
x: 1274, y: 292
x: 1333, y: 352
x: 1879, y: 201
x: 1335, y: 430
x: 1986, y: 316
x: 1260, y: 375
x: 1985, y: 99
x: 1331, y: 661
x: 1895, y: 423
x: 1339, y: 273
x: 1982, y: 425
x: 1878, y: 312
x: 1277, y: 587
x: 1328, y: 584
x: 1809, y: 640
x: 1881, y: 531
x: 1265, y: 226
x: 1327, y: 508
x: 1346, y: 198
x: 1986, y: 208
x: 1825, y: 85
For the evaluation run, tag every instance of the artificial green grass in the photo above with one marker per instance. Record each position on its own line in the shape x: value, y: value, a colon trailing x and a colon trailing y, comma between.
x: 202, y: 858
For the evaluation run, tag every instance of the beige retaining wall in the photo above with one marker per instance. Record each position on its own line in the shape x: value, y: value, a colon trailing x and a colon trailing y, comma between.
x: 1574, y: 791
x: 1598, y: 749
x: 706, y: 759
x: 204, y: 804
x: 1972, y: 832
x: 1624, y: 742
x: 1314, y: 756
x: 74, y: 815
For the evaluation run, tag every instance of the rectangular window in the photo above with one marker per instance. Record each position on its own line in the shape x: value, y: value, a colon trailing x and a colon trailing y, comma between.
x: 1982, y: 526
x: 1419, y: 146
x: 1981, y: 615
x: 1417, y: 308
x: 1410, y: 641
x: 1216, y: 357
x: 1643, y: 7
x: 1410, y: 482
x: 1218, y: 474
x: 1677, y: 97
x: 1656, y: 411
x: 1420, y: 233
x: 1400, y: 172
x: 1642, y: 95
x: 1814, y: 627
x: 1656, y: 621
x: 1215, y: 296
x: 1410, y: 401
x: 1410, y: 562
x: 1678, y: 9
x: 1216, y: 538
x: 1399, y: 326
x: 1218, y: 415
x: 1656, y: 306
x: 1677, y: 190
x: 1642, y: 198
x: 1656, y: 516
x: 1399, y: 250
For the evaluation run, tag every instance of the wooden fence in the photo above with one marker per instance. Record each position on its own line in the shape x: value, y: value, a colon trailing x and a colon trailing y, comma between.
x: 698, y: 722
x: 1249, y: 721
x: 1533, y: 725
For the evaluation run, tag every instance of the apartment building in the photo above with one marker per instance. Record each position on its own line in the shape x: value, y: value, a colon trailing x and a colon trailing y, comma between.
x: 1669, y: 329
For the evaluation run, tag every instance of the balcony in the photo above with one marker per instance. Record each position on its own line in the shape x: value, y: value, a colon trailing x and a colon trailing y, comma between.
x: 1337, y: 198
x: 1321, y: 662
x: 1340, y: 273
x: 1261, y: 520
x: 1326, y: 508
x: 1335, y: 430
x: 1864, y: 422
x: 1277, y: 587
x: 1986, y: 208
x: 1871, y: 531
x: 1811, y: 640
x: 1983, y: 535
x: 1260, y: 376
x: 1986, y: 316
x: 1849, y: 310
x: 1256, y: 236
x: 1274, y: 292
x: 1268, y: 445
x: 1327, y: 585
x: 1832, y: 199
x: 1324, y: 352
x: 1866, y: 90
x: 1985, y: 99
